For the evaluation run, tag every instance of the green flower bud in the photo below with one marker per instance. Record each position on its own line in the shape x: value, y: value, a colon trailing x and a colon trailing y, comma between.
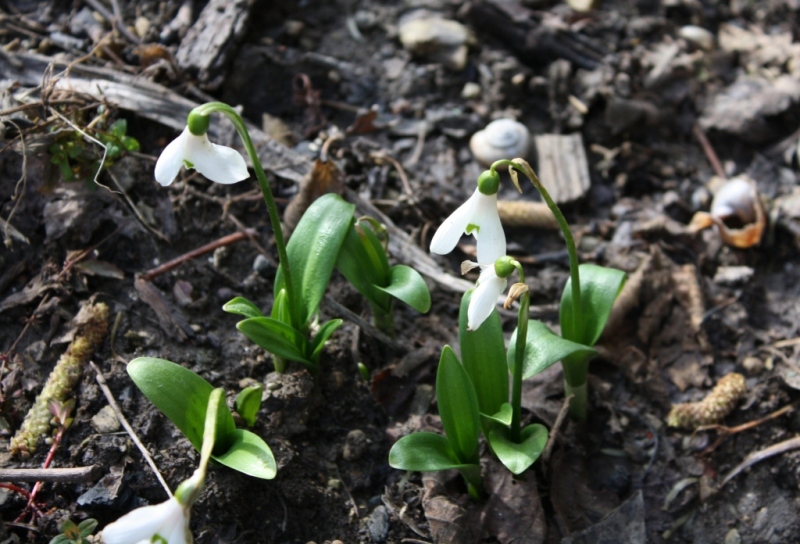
x: 505, y: 266
x: 489, y: 182
x: 198, y: 123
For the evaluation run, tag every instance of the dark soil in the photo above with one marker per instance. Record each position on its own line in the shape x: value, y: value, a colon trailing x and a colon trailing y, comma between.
x: 623, y: 476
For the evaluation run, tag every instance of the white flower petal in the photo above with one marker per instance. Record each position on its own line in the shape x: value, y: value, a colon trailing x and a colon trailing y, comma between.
x: 218, y: 163
x: 143, y: 523
x: 484, y: 297
x: 491, y: 238
x: 171, y: 159
x: 449, y: 233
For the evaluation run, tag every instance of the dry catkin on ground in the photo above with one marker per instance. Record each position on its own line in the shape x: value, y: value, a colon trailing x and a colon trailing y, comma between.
x: 63, y: 379
x: 718, y: 404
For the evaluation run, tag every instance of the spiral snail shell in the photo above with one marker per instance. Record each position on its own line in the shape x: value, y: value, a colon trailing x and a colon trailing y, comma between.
x: 501, y: 139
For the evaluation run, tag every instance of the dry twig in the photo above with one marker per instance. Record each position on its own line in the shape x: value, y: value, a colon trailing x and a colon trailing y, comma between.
x: 101, y: 381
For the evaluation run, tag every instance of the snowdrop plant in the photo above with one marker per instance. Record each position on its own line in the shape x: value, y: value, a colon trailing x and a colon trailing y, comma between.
x: 168, y: 522
x: 184, y: 397
x: 306, y: 262
x: 473, y: 394
x: 363, y: 261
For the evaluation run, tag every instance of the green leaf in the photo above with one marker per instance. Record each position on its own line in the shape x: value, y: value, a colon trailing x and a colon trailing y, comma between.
x: 87, y: 527
x: 458, y: 407
x: 543, y: 348
x: 213, y: 433
x: 248, y: 402
x: 248, y: 454
x: 276, y: 337
x: 130, y: 144
x: 313, y: 250
x: 518, y: 457
x: 354, y: 263
x: 484, y: 356
x: 423, y: 452
x: 504, y: 416
x: 322, y: 336
x: 600, y: 287
x: 407, y: 285
x: 242, y: 306
x: 119, y: 128
x: 181, y: 395
x: 280, y: 308
x: 61, y: 539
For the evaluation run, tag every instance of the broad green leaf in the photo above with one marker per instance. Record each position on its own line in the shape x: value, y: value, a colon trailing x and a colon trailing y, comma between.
x: 599, y: 289
x: 213, y: 433
x: 322, y: 336
x: 242, y: 306
x: 119, y: 128
x: 483, y: 353
x: 312, y: 252
x: 407, y: 285
x: 543, y: 349
x: 518, y: 457
x: 248, y: 454
x: 248, y: 402
x: 181, y: 395
x: 280, y: 308
x: 458, y: 407
x: 276, y: 337
x: 423, y: 452
x: 87, y: 527
x: 61, y: 539
x: 504, y: 416
x: 353, y: 263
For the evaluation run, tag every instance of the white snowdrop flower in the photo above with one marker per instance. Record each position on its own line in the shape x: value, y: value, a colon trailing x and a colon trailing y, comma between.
x: 216, y: 162
x: 167, y: 522
x: 477, y: 216
x: 489, y: 288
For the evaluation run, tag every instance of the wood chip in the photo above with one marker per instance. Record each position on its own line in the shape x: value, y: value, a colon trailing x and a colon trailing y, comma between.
x: 562, y: 166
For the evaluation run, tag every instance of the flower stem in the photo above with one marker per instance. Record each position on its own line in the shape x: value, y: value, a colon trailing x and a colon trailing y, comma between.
x: 575, y: 373
x: 263, y: 183
x: 519, y: 357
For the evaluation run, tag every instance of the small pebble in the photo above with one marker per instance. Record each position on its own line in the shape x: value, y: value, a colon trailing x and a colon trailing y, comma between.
x: 471, y: 90
x: 378, y: 524
x: 697, y: 36
x: 355, y: 445
x: 753, y: 365
x: 733, y: 537
x: 105, y: 421
x: 261, y: 264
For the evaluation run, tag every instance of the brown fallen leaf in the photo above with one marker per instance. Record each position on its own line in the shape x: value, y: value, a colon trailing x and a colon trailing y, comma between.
x: 448, y: 520
x: 513, y: 513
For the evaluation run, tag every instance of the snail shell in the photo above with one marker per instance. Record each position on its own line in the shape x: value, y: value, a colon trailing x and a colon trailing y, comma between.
x: 736, y: 199
x: 501, y: 139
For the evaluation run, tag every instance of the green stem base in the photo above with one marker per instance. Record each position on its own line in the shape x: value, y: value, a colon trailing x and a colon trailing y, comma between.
x: 579, y: 403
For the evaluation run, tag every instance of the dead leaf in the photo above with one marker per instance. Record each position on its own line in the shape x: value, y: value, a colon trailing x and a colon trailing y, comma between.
x: 169, y: 317
x: 743, y: 107
x: 324, y: 178
x: 513, y: 512
x: 448, y: 520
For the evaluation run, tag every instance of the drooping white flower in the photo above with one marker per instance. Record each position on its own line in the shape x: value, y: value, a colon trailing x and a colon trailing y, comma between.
x: 168, y: 521
x: 216, y: 162
x: 477, y: 216
x: 484, y: 298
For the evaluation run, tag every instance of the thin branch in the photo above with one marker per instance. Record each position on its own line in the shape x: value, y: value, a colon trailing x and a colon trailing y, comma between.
x: 101, y: 381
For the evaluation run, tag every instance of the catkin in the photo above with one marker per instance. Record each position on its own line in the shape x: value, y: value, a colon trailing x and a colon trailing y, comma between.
x: 718, y: 404
x: 62, y: 380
